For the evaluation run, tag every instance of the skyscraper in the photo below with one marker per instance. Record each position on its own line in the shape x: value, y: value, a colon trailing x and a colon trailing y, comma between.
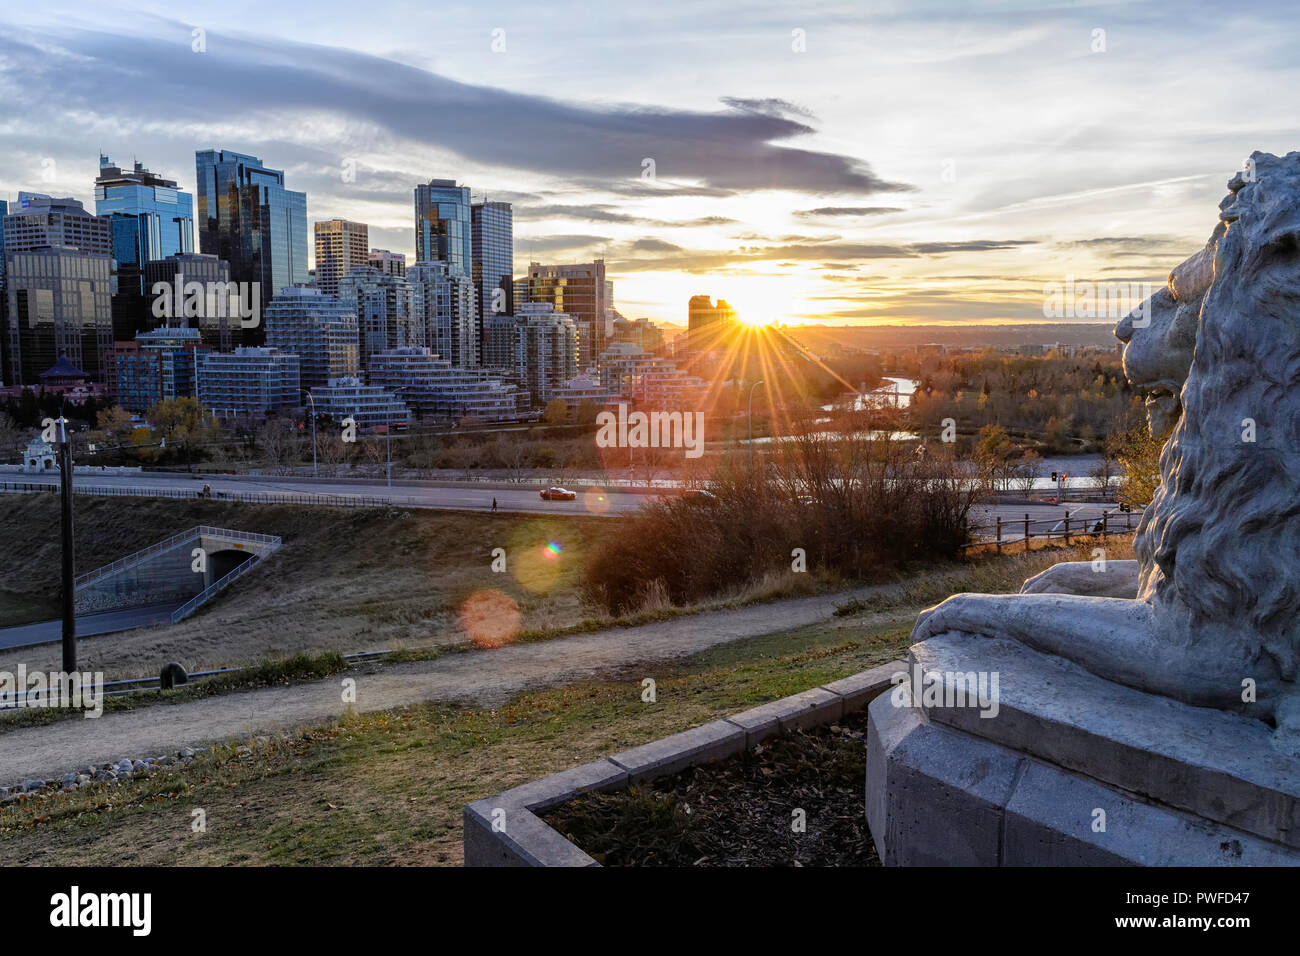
x: 60, y: 304
x: 160, y: 216
x: 340, y: 245
x: 493, y: 235
x: 386, y: 311
x: 445, y: 305
x: 443, y: 225
x: 582, y: 292
x: 40, y: 221
x: 247, y: 217
x: 546, y: 349
x: 58, y: 288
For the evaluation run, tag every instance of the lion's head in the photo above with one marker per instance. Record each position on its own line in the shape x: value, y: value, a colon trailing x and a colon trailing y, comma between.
x: 1160, y: 335
x: 1220, y: 543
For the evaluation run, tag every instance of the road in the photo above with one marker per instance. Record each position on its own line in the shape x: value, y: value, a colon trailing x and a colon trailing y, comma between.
x: 459, y: 498
x: 88, y: 625
x: 516, y: 500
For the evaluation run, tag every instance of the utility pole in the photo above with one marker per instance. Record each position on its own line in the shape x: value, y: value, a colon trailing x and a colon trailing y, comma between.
x: 69, y: 596
x: 750, y: 416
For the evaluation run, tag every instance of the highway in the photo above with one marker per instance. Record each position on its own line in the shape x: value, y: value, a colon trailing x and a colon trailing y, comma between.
x: 469, y: 497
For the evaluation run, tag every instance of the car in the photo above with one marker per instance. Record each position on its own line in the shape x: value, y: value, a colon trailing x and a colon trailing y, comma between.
x: 701, y: 495
x: 558, y: 494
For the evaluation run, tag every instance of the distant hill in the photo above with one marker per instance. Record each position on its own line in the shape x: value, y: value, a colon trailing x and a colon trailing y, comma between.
x: 955, y: 336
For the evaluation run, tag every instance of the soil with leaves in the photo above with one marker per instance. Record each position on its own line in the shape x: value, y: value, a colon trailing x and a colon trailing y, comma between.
x: 793, y: 800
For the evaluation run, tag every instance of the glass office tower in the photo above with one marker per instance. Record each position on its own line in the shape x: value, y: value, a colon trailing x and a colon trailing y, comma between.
x: 443, y: 225
x: 247, y: 217
x: 152, y: 218
x: 493, y: 233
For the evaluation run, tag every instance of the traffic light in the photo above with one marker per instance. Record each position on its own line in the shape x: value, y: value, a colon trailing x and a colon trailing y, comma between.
x: 1053, y: 476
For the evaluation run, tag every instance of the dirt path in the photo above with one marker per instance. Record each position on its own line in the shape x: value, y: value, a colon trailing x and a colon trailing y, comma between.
x: 484, y: 678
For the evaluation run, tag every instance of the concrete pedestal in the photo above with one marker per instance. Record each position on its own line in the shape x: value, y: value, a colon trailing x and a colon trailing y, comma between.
x: 1067, y: 769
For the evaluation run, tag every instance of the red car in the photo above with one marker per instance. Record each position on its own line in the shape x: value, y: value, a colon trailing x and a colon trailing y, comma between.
x: 559, y: 494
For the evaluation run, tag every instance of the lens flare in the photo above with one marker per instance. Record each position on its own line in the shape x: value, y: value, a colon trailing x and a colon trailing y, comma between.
x: 554, y: 548
x: 490, y: 618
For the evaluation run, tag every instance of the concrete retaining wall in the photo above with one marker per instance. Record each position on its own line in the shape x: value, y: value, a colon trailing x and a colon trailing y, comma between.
x: 504, y: 830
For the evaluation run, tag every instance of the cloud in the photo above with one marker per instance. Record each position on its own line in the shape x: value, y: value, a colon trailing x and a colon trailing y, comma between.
x: 528, y: 245
x: 822, y: 211
x: 744, y: 146
x: 703, y: 260
x: 601, y: 212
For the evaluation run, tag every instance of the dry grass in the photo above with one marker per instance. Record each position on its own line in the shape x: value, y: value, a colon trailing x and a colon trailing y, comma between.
x: 346, y: 579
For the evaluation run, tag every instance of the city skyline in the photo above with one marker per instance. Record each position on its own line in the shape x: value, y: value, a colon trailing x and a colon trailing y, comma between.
x: 784, y: 193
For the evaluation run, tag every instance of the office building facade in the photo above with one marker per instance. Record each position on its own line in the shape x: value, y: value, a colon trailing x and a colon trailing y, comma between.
x: 443, y: 225
x: 246, y: 216
x: 582, y: 292
x: 340, y: 245
x: 388, y: 263
x: 492, y: 230
x: 59, y: 303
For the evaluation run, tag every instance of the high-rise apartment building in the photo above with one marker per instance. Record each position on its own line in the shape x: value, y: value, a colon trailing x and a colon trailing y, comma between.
x: 389, y: 263
x: 155, y: 366
x: 340, y: 245
x: 434, y: 388
x: 320, y: 329
x: 443, y: 230
x: 582, y: 292
x: 385, y: 306
x: 247, y: 217
x: 445, y: 305
x: 367, y: 405
x: 248, y: 382
x: 492, y: 228
x: 59, y: 304
x: 546, y: 349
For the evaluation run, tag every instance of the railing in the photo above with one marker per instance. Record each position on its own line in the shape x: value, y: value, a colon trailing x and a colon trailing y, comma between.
x: 190, y: 606
x: 248, y: 497
x: 1106, y: 524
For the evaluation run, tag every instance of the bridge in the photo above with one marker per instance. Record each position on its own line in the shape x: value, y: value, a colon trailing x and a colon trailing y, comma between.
x: 163, y: 583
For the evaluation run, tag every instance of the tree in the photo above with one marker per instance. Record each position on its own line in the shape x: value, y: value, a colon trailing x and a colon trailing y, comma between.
x: 185, y: 424
x: 1138, y: 455
x: 557, y: 412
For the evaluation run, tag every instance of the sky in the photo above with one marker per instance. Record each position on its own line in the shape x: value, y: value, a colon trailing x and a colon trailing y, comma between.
x: 839, y: 163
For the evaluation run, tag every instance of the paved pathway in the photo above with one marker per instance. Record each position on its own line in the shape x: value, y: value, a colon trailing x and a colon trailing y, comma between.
x: 88, y: 625
x: 481, y: 677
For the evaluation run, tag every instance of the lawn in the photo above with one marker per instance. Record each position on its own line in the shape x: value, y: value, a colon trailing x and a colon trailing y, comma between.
x: 388, y: 787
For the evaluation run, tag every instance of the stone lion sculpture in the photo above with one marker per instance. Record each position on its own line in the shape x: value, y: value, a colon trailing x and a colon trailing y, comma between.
x: 1217, y: 607
x: 1159, y: 337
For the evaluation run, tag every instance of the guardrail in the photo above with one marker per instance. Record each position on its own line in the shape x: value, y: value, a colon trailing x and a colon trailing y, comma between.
x: 1003, y: 531
x: 248, y: 497
x: 189, y: 607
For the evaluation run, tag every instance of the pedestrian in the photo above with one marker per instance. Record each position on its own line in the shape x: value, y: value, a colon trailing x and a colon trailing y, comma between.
x: 494, y: 504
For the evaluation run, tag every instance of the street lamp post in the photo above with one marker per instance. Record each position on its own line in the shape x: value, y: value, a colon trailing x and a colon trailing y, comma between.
x: 69, y: 594
x: 750, y: 416
x: 312, y: 402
